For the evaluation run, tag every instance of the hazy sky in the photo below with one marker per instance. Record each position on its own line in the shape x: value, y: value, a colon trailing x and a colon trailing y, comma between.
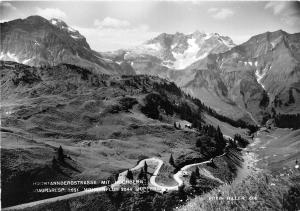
x: 110, y: 25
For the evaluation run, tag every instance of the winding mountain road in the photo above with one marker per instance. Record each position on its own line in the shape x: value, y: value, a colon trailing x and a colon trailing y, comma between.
x: 121, y: 178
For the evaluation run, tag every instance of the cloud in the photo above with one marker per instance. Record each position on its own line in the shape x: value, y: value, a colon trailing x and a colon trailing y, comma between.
x: 113, y: 34
x: 7, y: 6
x: 220, y: 13
x: 289, y: 12
x: 109, y: 22
x: 9, y: 12
x: 50, y: 13
x: 277, y: 7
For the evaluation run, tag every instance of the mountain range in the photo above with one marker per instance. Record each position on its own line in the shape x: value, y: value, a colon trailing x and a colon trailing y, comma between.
x: 252, y: 81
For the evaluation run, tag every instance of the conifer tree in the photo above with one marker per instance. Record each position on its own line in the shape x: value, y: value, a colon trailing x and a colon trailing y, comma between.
x: 145, y: 167
x: 129, y: 175
x: 141, y: 175
x: 197, y: 173
x: 171, y: 160
x: 193, y: 179
x: 60, y: 152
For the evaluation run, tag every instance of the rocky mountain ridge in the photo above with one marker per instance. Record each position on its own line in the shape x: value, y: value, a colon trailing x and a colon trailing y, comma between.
x: 37, y: 41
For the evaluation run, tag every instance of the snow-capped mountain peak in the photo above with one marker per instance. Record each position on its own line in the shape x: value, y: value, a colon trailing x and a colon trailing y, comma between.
x: 178, y: 51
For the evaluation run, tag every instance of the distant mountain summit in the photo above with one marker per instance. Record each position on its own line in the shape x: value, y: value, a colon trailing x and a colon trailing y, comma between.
x: 167, y: 54
x: 38, y: 41
x: 178, y: 51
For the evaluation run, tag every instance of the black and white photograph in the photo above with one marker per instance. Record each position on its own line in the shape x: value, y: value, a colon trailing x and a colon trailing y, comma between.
x: 150, y: 105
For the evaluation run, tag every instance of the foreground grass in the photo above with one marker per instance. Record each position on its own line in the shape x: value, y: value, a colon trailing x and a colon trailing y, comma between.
x: 256, y: 192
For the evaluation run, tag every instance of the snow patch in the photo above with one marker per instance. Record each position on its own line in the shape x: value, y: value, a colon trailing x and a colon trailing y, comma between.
x: 71, y: 29
x: 9, y: 57
x: 75, y: 37
x: 260, y: 76
x: 256, y: 63
x: 13, y: 56
x: 173, y: 46
x: 250, y: 63
x: 26, y: 61
x: 54, y: 22
x: 275, y: 42
x: 189, y: 56
x: 1, y: 55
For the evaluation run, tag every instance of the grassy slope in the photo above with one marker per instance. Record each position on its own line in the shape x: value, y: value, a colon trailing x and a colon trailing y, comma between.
x: 96, y: 119
x: 222, y: 107
x: 256, y: 192
x: 226, y: 128
x: 278, y: 149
